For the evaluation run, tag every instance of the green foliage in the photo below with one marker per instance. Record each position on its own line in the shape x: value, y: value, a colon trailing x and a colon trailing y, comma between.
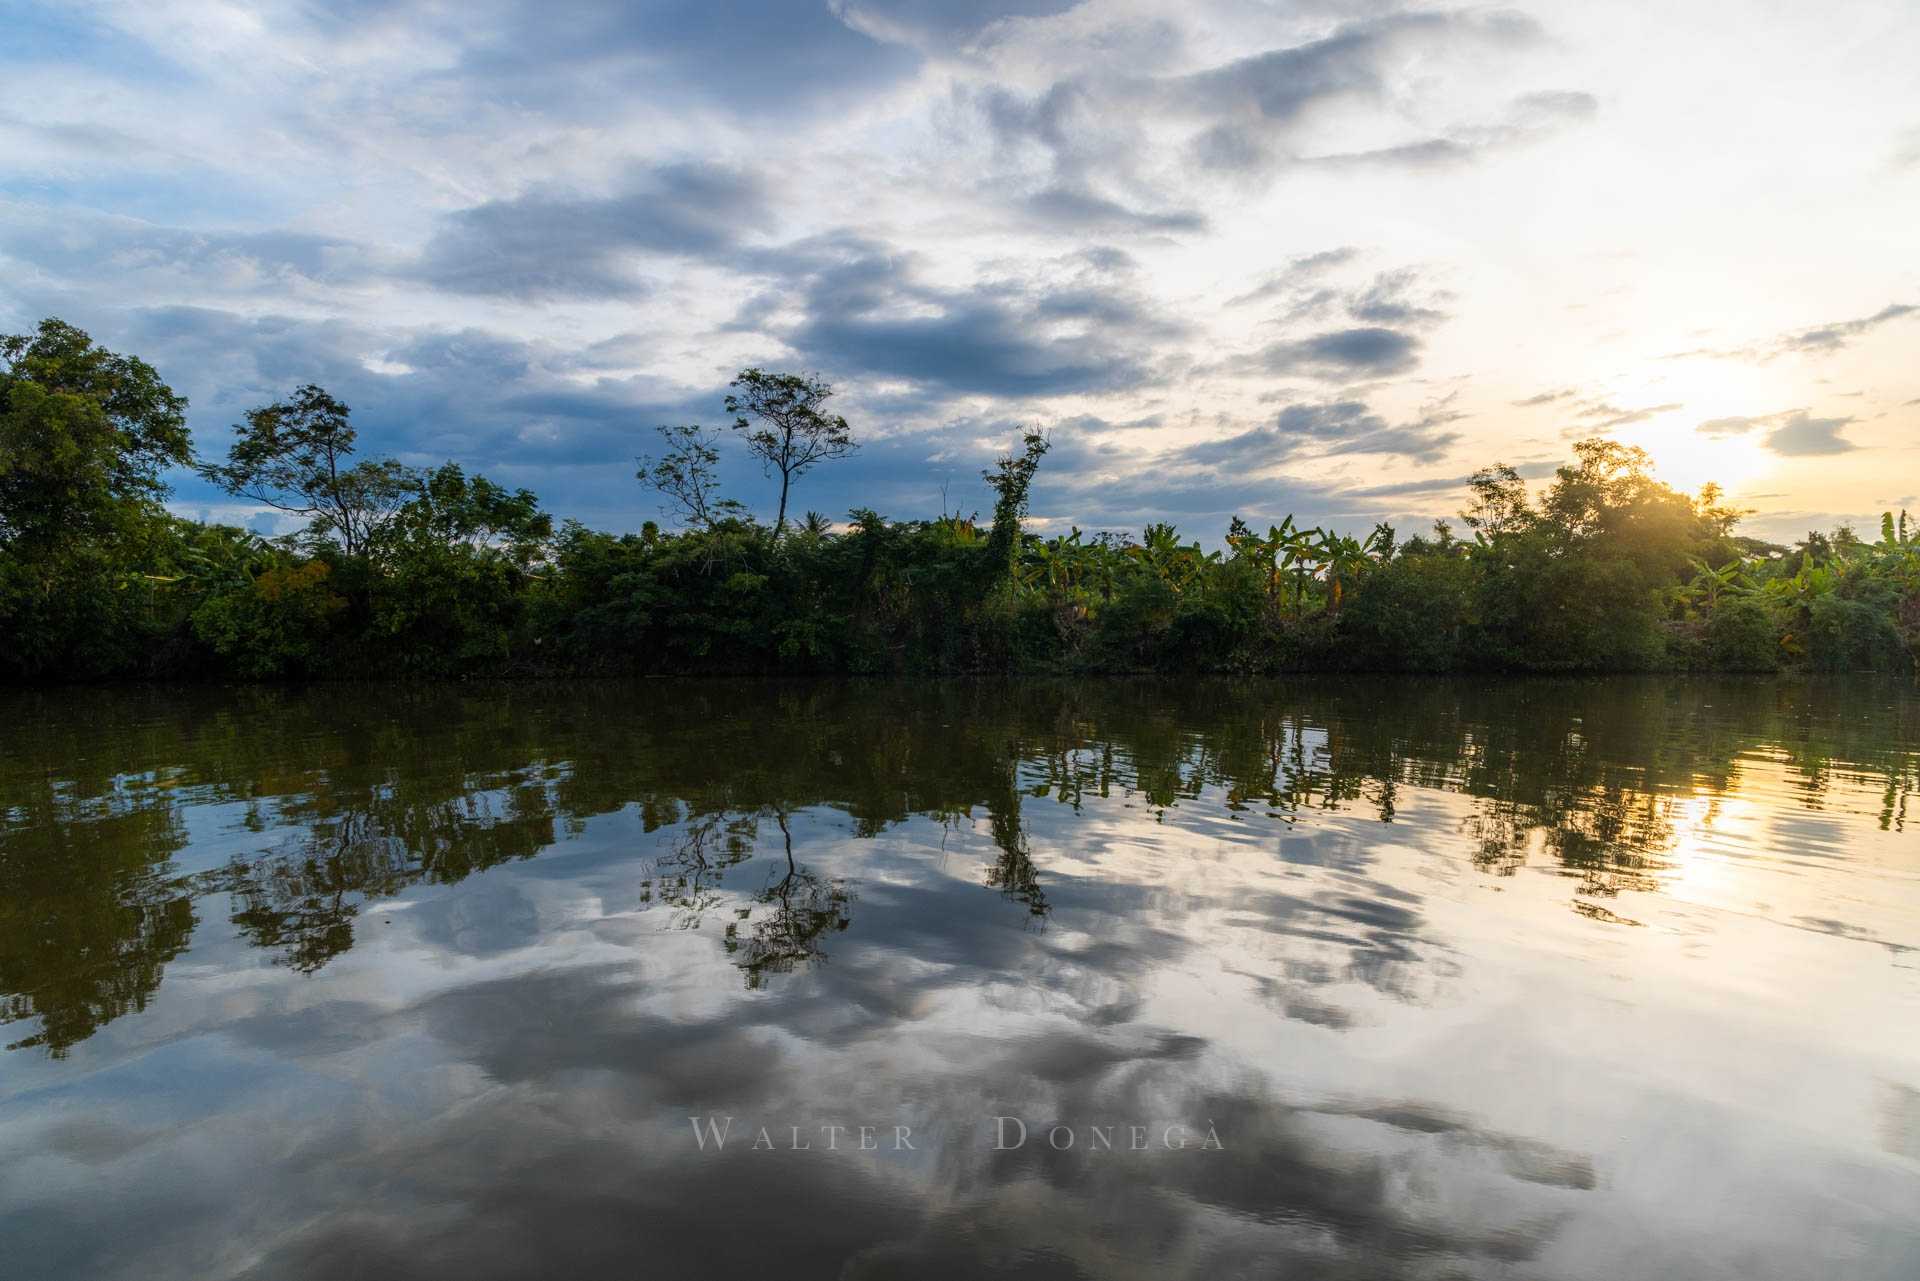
x: 1411, y: 615
x: 276, y: 625
x: 686, y: 476
x: 292, y: 455
x: 84, y: 437
x: 793, y: 432
x: 1010, y: 479
x: 1852, y: 636
x: 1742, y: 636
x: 85, y: 548
x: 446, y: 574
x: 450, y: 510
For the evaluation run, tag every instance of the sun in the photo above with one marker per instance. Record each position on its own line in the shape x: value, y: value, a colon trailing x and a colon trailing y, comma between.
x: 1683, y: 456
x: 1686, y: 459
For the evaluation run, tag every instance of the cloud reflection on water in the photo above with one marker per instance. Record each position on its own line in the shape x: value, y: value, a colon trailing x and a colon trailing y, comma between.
x: 437, y: 993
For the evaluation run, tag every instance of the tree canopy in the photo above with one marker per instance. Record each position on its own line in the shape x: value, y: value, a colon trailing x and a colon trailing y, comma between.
x: 86, y: 435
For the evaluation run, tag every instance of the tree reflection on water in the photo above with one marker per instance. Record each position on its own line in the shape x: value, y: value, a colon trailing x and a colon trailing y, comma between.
x: 344, y: 797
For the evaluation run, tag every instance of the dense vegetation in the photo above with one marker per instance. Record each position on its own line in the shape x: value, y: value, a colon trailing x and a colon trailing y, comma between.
x: 444, y: 574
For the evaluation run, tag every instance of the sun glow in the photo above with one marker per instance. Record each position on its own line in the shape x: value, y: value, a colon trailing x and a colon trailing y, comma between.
x: 1683, y: 456
x: 1686, y: 459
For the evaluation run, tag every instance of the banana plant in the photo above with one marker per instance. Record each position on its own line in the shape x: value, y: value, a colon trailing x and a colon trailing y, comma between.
x: 1104, y: 564
x: 1060, y: 564
x: 1897, y: 554
x: 1343, y: 559
x: 1380, y: 543
x: 1300, y: 557
x: 1162, y: 554
x: 1266, y: 553
x: 1709, y: 585
x: 1806, y: 586
x: 220, y: 557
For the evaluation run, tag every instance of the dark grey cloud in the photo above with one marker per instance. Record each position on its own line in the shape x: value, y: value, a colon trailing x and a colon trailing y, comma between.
x: 1395, y: 298
x: 1555, y: 104
x: 1307, y: 289
x: 1441, y: 484
x: 1257, y: 105
x: 1794, y: 433
x: 867, y: 311
x: 578, y: 57
x: 1528, y: 118
x: 939, y: 22
x: 1283, y: 84
x: 1333, y: 420
x: 560, y: 245
x: 1324, y: 429
x: 1052, y: 121
x: 1371, y: 351
x: 519, y: 411
x: 1411, y: 488
x: 1253, y: 116
x: 101, y: 141
x: 1300, y: 276
x: 536, y: 415
x: 1084, y: 150
x: 1429, y: 153
x: 1389, y: 306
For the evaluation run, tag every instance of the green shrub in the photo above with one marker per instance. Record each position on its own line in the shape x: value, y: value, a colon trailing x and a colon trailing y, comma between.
x: 1742, y: 636
x: 1851, y: 636
x: 279, y: 624
x: 1409, y: 615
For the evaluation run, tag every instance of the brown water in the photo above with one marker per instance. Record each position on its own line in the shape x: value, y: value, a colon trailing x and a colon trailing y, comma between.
x: 1319, y: 979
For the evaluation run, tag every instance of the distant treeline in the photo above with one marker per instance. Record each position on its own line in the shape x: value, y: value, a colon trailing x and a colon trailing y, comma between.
x: 397, y: 571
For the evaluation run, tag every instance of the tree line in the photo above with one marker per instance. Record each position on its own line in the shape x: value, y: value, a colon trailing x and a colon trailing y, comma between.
x: 437, y: 573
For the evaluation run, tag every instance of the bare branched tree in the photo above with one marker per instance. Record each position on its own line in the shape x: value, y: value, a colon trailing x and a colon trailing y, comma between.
x: 685, y: 475
x: 794, y: 434
x: 292, y: 455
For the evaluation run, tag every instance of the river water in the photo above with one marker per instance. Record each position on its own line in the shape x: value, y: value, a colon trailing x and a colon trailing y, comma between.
x: 1317, y: 979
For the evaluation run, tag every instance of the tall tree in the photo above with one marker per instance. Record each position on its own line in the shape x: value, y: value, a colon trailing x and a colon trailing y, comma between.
x: 291, y: 455
x: 1500, y: 502
x: 794, y: 433
x: 1010, y: 478
x: 85, y: 437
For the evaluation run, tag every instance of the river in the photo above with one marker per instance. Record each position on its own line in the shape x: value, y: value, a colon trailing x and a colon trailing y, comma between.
x: 1308, y: 979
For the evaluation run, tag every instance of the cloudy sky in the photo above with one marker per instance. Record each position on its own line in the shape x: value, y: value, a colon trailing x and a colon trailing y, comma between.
x: 1236, y: 257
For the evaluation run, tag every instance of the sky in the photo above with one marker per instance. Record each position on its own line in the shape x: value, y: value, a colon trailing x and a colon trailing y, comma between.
x: 1233, y: 257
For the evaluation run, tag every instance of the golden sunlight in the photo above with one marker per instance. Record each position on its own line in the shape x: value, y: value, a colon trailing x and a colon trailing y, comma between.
x: 1685, y: 459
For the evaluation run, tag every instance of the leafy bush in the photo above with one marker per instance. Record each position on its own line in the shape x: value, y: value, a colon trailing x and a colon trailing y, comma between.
x: 1410, y: 616
x: 276, y: 625
x: 1851, y: 636
x: 1741, y: 636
